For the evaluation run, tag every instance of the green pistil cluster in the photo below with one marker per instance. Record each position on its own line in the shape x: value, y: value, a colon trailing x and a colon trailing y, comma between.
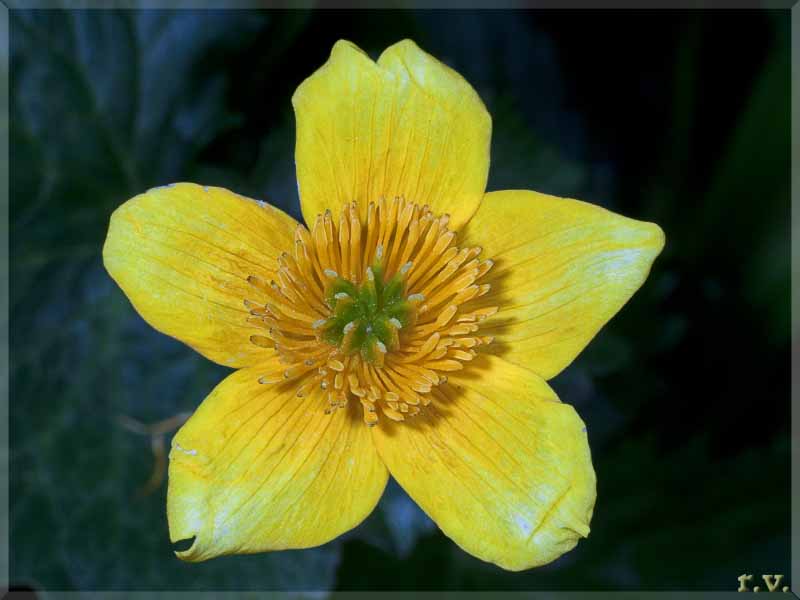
x: 367, y: 319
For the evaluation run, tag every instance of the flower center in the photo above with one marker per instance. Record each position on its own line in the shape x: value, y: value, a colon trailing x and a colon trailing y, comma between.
x: 376, y: 309
x: 366, y: 319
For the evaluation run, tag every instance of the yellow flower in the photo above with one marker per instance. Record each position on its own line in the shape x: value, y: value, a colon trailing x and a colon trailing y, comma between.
x: 415, y: 303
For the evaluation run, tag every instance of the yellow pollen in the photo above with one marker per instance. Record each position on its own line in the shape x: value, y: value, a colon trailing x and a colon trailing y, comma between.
x: 374, y: 310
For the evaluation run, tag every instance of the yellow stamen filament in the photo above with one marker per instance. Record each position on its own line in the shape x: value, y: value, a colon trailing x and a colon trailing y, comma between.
x: 396, y: 373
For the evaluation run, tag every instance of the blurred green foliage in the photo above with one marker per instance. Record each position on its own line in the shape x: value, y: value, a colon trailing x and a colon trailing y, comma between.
x: 693, y: 490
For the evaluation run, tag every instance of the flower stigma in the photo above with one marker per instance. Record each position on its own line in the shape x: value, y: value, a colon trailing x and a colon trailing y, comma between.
x: 367, y: 319
x: 376, y: 308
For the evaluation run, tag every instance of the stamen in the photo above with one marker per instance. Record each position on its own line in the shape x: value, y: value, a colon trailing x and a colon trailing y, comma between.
x: 263, y: 341
x: 377, y: 308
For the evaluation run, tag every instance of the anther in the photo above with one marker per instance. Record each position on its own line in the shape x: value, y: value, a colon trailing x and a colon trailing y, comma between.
x: 377, y: 341
x: 262, y: 341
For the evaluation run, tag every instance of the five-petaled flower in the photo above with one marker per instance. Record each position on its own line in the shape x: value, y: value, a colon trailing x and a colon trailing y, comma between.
x: 409, y: 330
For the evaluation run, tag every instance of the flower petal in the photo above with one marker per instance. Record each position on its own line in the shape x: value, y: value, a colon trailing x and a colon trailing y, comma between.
x: 406, y: 126
x: 562, y: 269
x: 182, y: 254
x: 499, y: 463
x: 256, y: 468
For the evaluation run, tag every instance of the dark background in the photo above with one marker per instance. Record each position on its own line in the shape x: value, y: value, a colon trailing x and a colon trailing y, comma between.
x: 681, y: 118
